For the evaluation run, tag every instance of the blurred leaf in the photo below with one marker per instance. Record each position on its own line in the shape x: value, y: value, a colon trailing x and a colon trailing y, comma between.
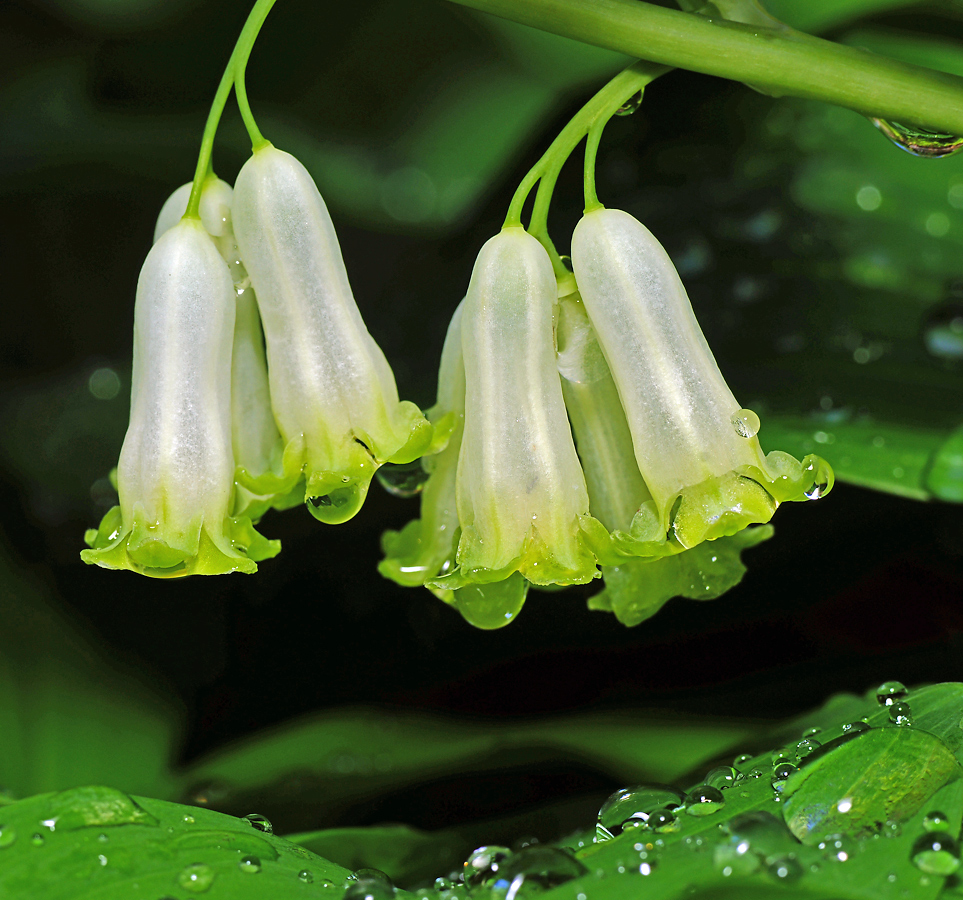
x: 69, y: 714
x: 98, y: 842
x: 821, y: 15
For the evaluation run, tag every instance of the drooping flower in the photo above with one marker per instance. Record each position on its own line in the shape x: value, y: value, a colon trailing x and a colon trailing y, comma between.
x: 521, y: 497
x: 695, y: 448
x: 254, y: 433
x: 333, y: 393
x: 175, y: 477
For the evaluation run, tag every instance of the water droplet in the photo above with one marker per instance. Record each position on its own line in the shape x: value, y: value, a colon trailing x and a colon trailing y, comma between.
x: 102, y: 859
x: 403, y: 480
x: 536, y: 869
x: 919, y: 141
x: 638, y: 802
x: 889, y: 692
x: 855, y: 727
x: 838, y: 847
x: 196, y: 878
x: 704, y: 801
x: 37, y: 839
x: 936, y: 821
x: 781, y: 773
x: 809, y: 732
x: 741, y: 760
x: 250, y: 864
x: 806, y: 746
x: 483, y: 866
x: 188, y: 820
x: 785, y: 869
x: 374, y: 886
x: 306, y: 876
x: 721, y: 777
x: 630, y: 105
x: 337, y: 506
x: 936, y: 854
x: 8, y: 834
x: 260, y: 823
x: 821, y: 475
x: 943, y: 331
x: 746, y: 423
x: 663, y: 821
x: 900, y: 713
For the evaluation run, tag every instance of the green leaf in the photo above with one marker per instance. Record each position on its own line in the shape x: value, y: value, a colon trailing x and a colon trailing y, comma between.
x: 820, y: 15
x: 97, y: 842
x: 637, y: 589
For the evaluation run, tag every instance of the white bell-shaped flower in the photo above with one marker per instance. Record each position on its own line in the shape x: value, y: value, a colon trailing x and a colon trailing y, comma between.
x: 333, y: 393
x: 695, y: 448
x: 522, y: 501
x: 175, y: 478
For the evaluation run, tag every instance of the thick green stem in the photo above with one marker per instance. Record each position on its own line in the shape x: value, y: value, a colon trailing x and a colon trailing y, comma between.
x: 783, y: 62
x: 236, y: 64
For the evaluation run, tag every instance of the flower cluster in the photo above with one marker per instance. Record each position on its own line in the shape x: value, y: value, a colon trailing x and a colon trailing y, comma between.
x: 255, y: 382
x: 666, y: 459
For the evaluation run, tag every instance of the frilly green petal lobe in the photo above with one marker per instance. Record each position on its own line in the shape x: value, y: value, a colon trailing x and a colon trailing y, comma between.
x: 636, y: 589
x: 149, y: 550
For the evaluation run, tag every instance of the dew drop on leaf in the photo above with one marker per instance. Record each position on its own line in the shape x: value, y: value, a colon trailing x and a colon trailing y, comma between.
x: 704, y: 801
x: 536, y: 869
x: 37, y: 839
x: 721, y: 777
x: 638, y: 802
x: 936, y: 854
x: 838, y: 847
x: 196, y: 878
x: 250, y: 865
x: 919, y: 141
x: 781, y: 773
x: 806, y: 746
x: 306, y: 876
x: 785, y: 869
x: 402, y: 480
x: 936, y: 821
x: 483, y: 865
x: 890, y: 692
x: 368, y: 888
x: 8, y: 835
x: 900, y: 713
x: 261, y: 823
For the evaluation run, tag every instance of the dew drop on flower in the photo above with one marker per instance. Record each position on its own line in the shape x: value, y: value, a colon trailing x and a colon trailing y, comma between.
x: 638, y: 802
x: 746, y: 423
x: 822, y: 477
x: 261, y: 823
x: 405, y: 480
x: 936, y: 854
x: 704, y: 800
x: 889, y: 692
x: 630, y: 105
x: 919, y: 141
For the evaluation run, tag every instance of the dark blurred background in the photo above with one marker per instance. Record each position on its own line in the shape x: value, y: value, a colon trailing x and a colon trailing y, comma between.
x: 418, y: 120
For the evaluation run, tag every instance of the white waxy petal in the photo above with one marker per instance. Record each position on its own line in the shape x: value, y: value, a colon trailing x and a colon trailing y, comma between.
x: 521, y: 491
x: 215, y: 208
x: 678, y: 405
x: 333, y: 392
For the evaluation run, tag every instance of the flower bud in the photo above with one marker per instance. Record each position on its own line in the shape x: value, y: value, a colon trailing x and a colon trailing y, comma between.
x: 696, y: 450
x: 175, y: 478
x: 333, y: 392
x: 520, y: 490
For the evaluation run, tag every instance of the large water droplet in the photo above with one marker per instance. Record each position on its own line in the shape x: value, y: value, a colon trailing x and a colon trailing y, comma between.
x: 483, y: 866
x: 746, y: 423
x: 8, y: 834
x: 536, y: 869
x: 337, y: 506
x: 820, y: 475
x: 402, y: 480
x: 936, y: 854
x: 196, y: 878
x: 370, y: 884
x: 919, y: 141
x: 943, y: 331
x: 636, y: 802
x: 781, y: 773
x: 704, y: 801
x: 890, y: 692
x: 807, y: 746
x: 250, y: 864
x: 630, y: 105
x: 261, y: 823
x: 721, y: 777
x: 88, y: 807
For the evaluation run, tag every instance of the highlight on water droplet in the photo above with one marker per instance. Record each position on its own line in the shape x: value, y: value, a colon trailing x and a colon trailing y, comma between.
x: 821, y: 474
x: 919, y: 141
x: 196, y: 878
x: 936, y: 854
x: 745, y: 423
x: 630, y: 105
x: 838, y: 847
x: 402, y: 480
x: 261, y: 823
